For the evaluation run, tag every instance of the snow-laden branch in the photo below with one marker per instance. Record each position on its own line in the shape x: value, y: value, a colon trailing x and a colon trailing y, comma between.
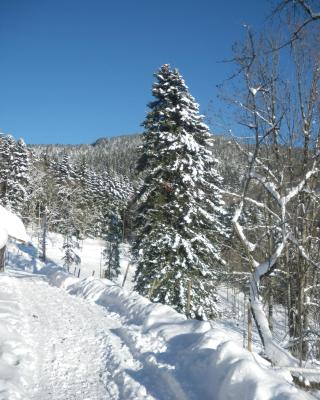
x: 255, y: 112
x: 258, y: 204
x: 264, y: 167
x: 235, y: 220
x: 297, y: 189
x: 311, y: 287
x: 302, y: 251
x: 265, y: 267
x: 269, y: 186
x: 253, y: 158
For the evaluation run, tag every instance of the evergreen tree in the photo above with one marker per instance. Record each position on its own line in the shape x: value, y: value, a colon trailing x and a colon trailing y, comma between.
x: 70, y: 243
x: 111, y: 252
x: 21, y: 175
x: 14, y: 173
x: 7, y: 144
x: 179, y: 207
x: 68, y: 222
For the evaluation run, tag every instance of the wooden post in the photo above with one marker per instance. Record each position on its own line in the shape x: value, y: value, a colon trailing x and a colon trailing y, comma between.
x: 239, y: 306
x: 2, y: 258
x: 100, y: 270
x: 123, y: 225
x: 110, y: 258
x: 79, y: 273
x: 244, y: 320
x: 249, y: 328
x: 189, y: 298
x: 44, y: 235
x: 270, y: 312
x: 74, y: 272
x: 125, y: 275
x: 93, y: 272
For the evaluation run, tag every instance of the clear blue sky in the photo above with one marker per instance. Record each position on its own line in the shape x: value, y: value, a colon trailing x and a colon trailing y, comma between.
x: 75, y: 70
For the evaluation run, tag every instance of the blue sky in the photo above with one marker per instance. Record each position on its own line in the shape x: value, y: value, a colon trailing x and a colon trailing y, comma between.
x: 75, y: 70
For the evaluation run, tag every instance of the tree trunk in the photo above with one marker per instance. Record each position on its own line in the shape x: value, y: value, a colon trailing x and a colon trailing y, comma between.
x: 270, y: 311
x: 277, y: 355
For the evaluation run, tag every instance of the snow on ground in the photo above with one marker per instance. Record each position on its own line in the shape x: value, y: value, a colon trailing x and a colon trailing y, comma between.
x: 90, y: 252
x: 69, y: 338
x: 11, y: 225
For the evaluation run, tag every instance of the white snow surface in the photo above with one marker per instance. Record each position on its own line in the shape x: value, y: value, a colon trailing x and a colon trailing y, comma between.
x: 11, y: 225
x: 64, y: 338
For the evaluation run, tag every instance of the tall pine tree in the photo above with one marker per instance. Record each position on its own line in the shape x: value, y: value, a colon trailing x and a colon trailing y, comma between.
x: 179, y: 207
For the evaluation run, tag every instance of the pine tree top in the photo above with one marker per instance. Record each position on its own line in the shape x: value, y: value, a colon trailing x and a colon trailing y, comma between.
x: 173, y: 103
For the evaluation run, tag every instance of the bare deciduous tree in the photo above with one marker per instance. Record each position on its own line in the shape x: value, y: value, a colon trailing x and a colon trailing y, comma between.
x: 279, y: 103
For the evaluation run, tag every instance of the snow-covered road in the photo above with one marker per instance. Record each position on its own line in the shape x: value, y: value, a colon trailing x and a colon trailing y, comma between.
x: 81, y: 351
x: 71, y: 339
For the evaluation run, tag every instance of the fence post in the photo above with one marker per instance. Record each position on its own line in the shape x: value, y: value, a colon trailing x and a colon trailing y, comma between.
x: 244, y: 320
x: 93, y: 272
x: 125, y: 275
x: 189, y: 298
x: 2, y: 258
x: 79, y: 272
x: 270, y: 312
x: 249, y: 328
x: 100, y: 266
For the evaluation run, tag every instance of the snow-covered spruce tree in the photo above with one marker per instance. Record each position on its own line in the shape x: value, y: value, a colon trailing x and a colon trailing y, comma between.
x: 67, y: 222
x: 14, y: 173
x: 70, y: 244
x: 6, y: 155
x: 111, y: 252
x: 21, y: 176
x: 179, y: 207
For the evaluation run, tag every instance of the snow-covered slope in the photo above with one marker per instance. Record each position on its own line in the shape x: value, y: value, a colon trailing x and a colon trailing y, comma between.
x: 90, y: 253
x: 68, y: 338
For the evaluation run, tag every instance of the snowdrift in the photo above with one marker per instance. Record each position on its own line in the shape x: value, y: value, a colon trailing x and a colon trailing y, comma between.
x: 11, y: 225
x: 202, y: 358
x: 15, y: 354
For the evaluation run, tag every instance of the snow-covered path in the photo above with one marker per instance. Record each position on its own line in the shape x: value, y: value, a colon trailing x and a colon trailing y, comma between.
x: 82, y: 351
x: 68, y: 335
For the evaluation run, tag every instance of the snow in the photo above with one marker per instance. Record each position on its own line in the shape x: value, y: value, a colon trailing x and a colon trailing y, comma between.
x: 90, y: 253
x: 254, y: 91
x: 15, y: 354
x: 11, y: 225
x: 69, y: 338
x: 3, y: 237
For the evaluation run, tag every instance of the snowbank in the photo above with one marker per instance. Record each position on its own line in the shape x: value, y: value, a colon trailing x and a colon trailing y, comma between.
x: 15, y: 354
x: 11, y: 225
x: 203, y: 359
